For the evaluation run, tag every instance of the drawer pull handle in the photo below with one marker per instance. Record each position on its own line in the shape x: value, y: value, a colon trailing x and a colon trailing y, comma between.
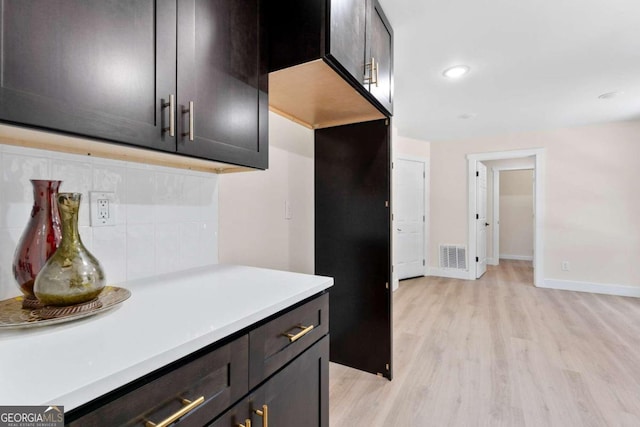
x: 247, y: 423
x: 264, y: 413
x: 305, y: 330
x: 189, y: 406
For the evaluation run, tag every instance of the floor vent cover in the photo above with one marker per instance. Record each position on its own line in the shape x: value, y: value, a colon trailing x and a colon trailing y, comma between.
x: 453, y: 256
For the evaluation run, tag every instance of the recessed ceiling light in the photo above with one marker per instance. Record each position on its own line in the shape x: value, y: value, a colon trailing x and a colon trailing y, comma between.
x: 610, y: 95
x: 467, y: 116
x: 456, y: 71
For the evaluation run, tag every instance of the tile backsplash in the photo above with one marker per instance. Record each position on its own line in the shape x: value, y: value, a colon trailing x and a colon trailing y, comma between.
x: 166, y: 218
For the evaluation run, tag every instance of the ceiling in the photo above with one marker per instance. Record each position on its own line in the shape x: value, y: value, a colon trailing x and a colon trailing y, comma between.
x: 535, y: 65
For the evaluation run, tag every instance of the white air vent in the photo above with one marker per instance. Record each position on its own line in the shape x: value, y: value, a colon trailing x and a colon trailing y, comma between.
x: 453, y: 256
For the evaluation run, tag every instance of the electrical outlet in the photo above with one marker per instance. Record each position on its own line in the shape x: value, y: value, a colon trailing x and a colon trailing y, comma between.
x: 103, y: 206
x: 565, y: 265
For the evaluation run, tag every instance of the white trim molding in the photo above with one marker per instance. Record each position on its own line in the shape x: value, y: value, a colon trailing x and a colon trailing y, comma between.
x: 517, y: 257
x: 539, y: 199
x: 595, y: 288
x: 449, y: 273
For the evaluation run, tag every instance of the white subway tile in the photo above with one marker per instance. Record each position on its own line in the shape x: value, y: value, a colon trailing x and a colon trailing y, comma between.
x: 141, y: 251
x: 169, y: 196
x: 110, y: 248
x: 167, y: 218
x: 17, y: 191
x: 209, y: 199
x: 8, y: 242
x: 189, y: 245
x: 208, y: 244
x: 139, y: 196
x: 167, y: 257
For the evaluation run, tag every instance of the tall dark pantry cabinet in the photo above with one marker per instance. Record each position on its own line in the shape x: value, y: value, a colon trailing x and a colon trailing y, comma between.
x: 353, y: 241
x: 352, y: 164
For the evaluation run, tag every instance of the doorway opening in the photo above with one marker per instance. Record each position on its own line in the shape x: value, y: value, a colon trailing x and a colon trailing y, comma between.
x: 477, y: 226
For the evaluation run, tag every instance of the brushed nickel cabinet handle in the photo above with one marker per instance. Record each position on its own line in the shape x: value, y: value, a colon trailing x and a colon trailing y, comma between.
x: 191, y: 114
x: 189, y: 406
x: 376, y: 66
x: 264, y: 413
x: 372, y: 67
x: 172, y: 112
x: 305, y: 330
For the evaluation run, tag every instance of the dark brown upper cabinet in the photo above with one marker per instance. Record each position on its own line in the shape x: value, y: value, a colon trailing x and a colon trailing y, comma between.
x: 126, y: 71
x: 353, y: 36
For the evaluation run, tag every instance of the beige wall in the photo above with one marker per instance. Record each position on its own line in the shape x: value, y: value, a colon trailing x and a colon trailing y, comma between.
x: 591, y: 198
x: 253, y: 229
x: 516, y: 214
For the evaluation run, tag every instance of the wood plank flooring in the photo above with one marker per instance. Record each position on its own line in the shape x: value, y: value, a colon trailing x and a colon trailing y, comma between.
x: 499, y: 352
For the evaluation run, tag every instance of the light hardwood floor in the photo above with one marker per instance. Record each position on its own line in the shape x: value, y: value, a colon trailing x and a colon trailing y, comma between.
x: 499, y: 352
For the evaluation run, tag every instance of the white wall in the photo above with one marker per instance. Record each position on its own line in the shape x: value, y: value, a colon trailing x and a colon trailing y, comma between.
x: 591, y: 208
x: 166, y: 218
x: 516, y: 214
x: 253, y: 228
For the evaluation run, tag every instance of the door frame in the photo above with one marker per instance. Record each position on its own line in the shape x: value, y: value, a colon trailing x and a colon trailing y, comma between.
x: 495, y: 235
x: 538, y: 241
x: 394, y: 237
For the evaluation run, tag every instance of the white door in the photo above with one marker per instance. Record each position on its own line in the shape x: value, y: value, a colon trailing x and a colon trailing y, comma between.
x: 481, y: 219
x: 409, y: 217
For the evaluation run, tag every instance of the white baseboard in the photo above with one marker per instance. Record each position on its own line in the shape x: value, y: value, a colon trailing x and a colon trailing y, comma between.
x: 595, y: 288
x: 517, y: 257
x: 449, y: 273
x: 492, y: 261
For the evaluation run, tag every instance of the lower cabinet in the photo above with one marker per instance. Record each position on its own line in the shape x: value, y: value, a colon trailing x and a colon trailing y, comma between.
x: 298, y: 395
x: 276, y: 373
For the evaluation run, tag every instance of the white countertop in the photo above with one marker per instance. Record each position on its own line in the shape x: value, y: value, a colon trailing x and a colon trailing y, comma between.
x: 166, y: 317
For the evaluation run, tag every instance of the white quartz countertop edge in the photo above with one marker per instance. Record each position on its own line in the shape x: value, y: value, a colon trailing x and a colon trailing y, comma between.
x: 166, y: 318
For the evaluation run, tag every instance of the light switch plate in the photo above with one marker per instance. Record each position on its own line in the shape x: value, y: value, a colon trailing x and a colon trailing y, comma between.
x: 103, y: 208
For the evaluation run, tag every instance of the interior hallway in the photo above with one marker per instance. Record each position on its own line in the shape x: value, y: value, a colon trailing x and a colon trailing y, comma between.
x: 499, y: 352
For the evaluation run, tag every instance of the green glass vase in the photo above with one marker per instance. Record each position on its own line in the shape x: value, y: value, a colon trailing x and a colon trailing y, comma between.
x: 72, y: 275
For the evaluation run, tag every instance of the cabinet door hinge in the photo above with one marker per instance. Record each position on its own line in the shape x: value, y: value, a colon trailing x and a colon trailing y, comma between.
x: 386, y: 122
x: 477, y: 216
x: 477, y: 259
x: 477, y: 173
x: 386, y: 285
x: 387, y: 366
x: 386, y: 203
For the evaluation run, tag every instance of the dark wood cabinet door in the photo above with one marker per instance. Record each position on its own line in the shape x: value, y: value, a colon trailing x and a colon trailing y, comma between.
x: 353, y: 241
x: 347, y: 35
x: 380, y: 47
x: 222, y: 74
x: 296, y: 396
x: 97, y: 68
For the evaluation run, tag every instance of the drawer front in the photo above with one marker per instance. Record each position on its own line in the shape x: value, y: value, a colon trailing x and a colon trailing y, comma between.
x: 275, y: 343
x: 220, y: 377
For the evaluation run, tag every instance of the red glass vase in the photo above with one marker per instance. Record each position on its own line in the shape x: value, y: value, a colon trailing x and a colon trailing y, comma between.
x: 40, y: 239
